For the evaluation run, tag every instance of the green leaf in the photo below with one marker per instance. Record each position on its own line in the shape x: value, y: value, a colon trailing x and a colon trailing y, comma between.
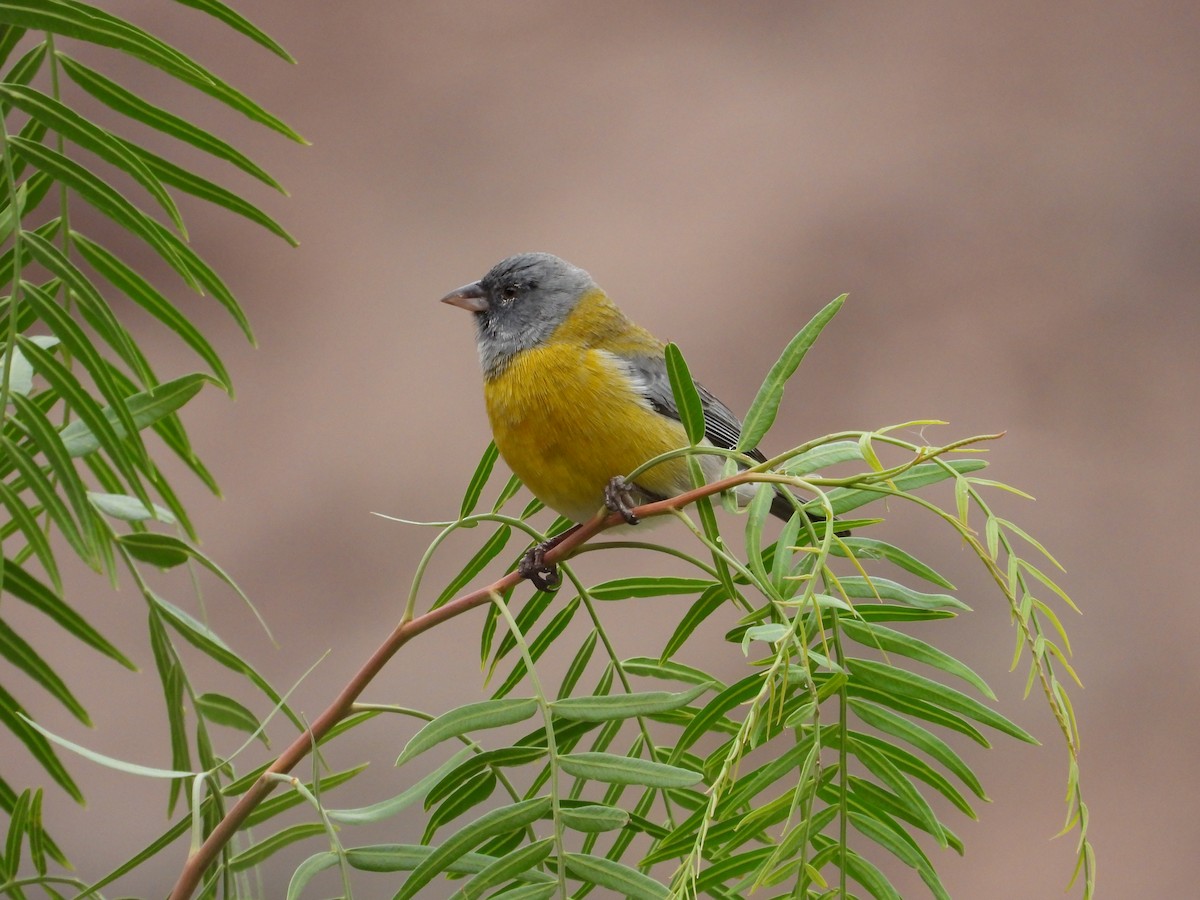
x: 48, y: 440
x: 77, y: 534
x: 913, y: 765
x: 529, y: 892
x: 102, y: 197
x: 308, y: 870
x: 193, y: 184
x: 737, y: 866
x: 911, y: 685
x: 669, y: 671
x: 885, y: 589
x: 163, y: 550
x: 37, y: 740
x: 130, y: 104
x: 89, y: 23
x: 647, y: 586
x: 10, y: 36
x: 906, y: 793
x: 884, y: 612
x: 269, y: 809
x: 36, y: 540
x: 507, y: 493
x: 228, y: 712
x: 25, y: 587
x: 124, y: 454
x: 141, y: 292
x: 17, y: 651
x: 208, y: 642
x: 733, y: 696
x: 402, y: 857
x: 687, y: 398
x: 845, y: 499
x: 194, y: 270
x: 821, y: 457
x: 870, y: 548
x: 471, y: 717
x: 765, y: 407
x: 531, y: 611
x: 502, y: 757
x: 614, y: 769
x: 238, y: 23
x: 887, y: 838
x: 540, y: 645
x: 37, y: 835
x: 858, y: 868
x: 146, y: 408
x: 75, y: 128
x: 888, y: 722
x: 496, y: 821
x: 877, y: 802
x: 259, y: 852
x: 385, y: 809
x: 479, y: 480
x: 623, y: 706
x: 891, y: 641
x: 11, y: 861
x: 756, y: 518
x: 128, y: 509
x: 471, y: 793
x: 492, y: 548
x: 594, y: 818
x: 170, y: 676
x: 787, y: 763
x: 781, y: 562
x: 621, y: 880
x: 511, y: 865
x: 708, y: 602
x: 917, y: 708
x: 578, y: 665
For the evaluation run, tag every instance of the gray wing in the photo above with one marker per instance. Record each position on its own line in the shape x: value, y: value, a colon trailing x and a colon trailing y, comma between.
x: 721, y: 426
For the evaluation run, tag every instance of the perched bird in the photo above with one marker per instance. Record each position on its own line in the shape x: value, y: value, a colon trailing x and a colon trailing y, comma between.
x: 578, y: 395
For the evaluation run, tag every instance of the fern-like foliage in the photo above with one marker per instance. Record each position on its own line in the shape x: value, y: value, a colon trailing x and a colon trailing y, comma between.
x: 813, y: 772
x: 76, y: 389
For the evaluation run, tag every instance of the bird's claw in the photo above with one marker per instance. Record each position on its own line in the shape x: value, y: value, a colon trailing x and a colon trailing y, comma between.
x: 618, y: 498
x: 533, y: 566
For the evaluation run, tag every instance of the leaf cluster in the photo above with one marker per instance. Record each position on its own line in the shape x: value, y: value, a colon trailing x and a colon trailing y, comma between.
x: 88, y: 422
x: 814, y: 772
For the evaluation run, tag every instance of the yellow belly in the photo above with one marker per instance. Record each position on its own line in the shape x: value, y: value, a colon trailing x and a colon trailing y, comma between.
x: 566, y: 420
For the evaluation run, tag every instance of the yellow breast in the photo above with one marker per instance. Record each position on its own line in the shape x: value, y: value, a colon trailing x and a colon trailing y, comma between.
x: 567, y: 418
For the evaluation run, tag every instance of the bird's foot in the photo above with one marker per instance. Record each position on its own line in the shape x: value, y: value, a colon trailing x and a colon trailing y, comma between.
x: 533, y: 566
x: 618, y: 497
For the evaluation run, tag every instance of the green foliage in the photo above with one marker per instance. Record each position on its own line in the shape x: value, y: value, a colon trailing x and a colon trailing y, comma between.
x: 816, y: 769
x: 816, y: 772
x: 79, y: 394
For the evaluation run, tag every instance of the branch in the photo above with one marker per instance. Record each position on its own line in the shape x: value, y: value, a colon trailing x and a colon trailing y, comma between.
x: 203, y: 857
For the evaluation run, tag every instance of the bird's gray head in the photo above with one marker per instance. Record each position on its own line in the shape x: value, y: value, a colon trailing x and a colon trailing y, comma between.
x: 519, y: 303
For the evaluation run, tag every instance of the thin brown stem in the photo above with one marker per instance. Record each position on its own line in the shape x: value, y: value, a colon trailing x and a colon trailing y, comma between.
x: 198, y: 862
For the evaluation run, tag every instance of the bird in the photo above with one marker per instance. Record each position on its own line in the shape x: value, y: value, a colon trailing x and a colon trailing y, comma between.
x: 578, y: 396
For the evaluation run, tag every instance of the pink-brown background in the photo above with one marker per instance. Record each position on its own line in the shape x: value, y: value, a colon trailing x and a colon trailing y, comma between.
x: 1009, y: 192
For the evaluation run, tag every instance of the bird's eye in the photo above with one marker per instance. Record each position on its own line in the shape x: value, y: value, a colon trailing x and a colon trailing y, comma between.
x: 509, y: 293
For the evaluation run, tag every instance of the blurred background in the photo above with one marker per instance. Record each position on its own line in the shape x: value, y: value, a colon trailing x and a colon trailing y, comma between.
x: 1009, y: 193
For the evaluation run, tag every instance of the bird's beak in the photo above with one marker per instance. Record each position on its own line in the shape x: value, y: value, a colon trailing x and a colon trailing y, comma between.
x: 470, y: 297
